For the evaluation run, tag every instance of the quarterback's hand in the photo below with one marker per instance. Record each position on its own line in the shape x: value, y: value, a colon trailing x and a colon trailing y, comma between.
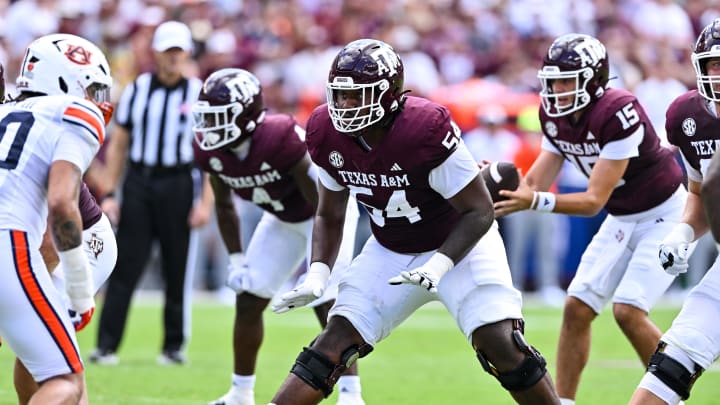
x: 238, y: 278
x: 674, y: 249
x: 311, y: 289
x: 426, y: 276
x: 81, y: 320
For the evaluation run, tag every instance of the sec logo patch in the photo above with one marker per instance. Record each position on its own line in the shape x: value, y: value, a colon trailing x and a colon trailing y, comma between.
x: 689, y: 126
x: 336, y: 159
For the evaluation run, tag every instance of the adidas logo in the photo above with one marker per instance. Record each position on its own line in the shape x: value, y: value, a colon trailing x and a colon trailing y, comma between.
x: 265, y: 166
x: 590, y: 136
x: 396, y: 168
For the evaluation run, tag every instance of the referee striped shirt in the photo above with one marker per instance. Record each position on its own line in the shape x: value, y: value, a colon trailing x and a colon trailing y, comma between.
x: 159, y: 120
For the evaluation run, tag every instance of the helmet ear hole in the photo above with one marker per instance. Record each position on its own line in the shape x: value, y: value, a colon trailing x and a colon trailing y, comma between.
x: 63, y: 86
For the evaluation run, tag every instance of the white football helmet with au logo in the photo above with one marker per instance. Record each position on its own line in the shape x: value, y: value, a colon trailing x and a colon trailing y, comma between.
x: 65, y: 64
x: 230, y: 106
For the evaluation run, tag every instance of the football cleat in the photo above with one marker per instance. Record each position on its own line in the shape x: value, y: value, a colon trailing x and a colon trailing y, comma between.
x: 236, y: 397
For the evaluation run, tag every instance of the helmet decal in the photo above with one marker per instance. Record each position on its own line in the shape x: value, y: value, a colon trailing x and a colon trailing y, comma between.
x: 78, y: 55
x: 387, y: 60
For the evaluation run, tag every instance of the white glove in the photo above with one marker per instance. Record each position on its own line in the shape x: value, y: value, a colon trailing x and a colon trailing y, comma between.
x: 311, y: 289
x: 675, y: 249
x: 238, y: 278
x: 78, y: 279
x: 428, y: 275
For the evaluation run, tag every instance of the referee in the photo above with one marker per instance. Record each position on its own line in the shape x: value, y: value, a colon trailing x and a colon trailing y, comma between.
x: 153, y: 136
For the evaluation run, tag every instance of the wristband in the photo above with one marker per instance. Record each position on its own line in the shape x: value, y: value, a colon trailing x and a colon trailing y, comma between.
x: 685, y: 231
x: 534, y: 200
x: 545, y: 201
x: 237, y: 260
x: 319, y: 271
x: 440, y: 263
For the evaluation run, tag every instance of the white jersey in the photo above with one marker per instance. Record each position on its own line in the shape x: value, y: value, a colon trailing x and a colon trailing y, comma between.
x: 34, y: 133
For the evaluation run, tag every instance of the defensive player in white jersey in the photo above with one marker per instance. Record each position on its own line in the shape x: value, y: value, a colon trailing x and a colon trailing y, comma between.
x: 692, y: 343
x: 101, y: 249
x: 606, y: 134
x: 50, y: 133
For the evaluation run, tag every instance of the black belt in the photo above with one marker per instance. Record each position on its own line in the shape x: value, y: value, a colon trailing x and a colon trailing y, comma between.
x: 160, y: 171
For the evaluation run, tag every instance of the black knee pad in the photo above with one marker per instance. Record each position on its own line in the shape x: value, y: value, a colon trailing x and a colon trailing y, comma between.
x: 672, y: 373
x: 319, y: 372
x: 531, y: 370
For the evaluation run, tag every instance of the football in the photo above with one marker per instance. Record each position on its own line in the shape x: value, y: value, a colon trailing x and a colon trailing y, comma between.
x: 500, y: 176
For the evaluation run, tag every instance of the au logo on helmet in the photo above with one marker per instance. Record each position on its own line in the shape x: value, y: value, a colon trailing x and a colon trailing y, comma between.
x: 78, y: 55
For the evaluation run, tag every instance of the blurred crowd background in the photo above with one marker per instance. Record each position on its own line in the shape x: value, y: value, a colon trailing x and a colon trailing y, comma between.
x: 478, y: 57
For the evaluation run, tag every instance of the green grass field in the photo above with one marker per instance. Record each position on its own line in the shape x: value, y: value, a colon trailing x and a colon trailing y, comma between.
x: 426, y: 361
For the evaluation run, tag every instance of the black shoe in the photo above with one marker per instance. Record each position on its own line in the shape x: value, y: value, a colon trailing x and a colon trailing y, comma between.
x: 104, y: 357
x: 172, y: 357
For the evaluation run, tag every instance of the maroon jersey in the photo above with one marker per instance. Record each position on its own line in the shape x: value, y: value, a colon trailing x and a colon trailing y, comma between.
x: 650, y: 178
x: 693, y: 129
x: 391, y: 180
x: 263, y: 176
x: 90, y: 211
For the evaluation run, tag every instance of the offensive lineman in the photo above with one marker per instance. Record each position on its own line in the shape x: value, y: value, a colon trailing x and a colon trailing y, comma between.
x: 433, y: 228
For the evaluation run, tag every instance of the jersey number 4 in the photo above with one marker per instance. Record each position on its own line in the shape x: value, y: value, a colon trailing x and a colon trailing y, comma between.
x: 16, y: 126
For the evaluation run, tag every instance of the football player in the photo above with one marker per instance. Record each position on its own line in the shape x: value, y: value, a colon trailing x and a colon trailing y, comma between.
x: 606, y: 134
x: 434, y: 235
x: 54, y: 128
x: 98, y: 243
x: 692, y: 343
x: 261, y: 158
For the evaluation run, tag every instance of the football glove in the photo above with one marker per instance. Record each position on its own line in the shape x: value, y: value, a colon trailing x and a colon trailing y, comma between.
x: 81, y: 320
x: 238, y: 278
x: 308, y: 291
x: 674, y: 249
x: 426, y: 276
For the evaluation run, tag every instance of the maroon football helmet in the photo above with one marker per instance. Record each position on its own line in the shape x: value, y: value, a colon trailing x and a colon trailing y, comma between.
x: 374, y: 69
x: 706, y: 48
x: 574, y: 56
x: 230, y: 105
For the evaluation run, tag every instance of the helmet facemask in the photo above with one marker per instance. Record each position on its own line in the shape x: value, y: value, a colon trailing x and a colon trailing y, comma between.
x: 229, y: 108
x: 708, y: 86
x: 551, y: 100
x: 368, y: 112
x: 214, y: 126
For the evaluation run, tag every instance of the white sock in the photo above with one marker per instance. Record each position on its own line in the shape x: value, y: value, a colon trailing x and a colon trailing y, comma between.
x: 349, y: 383
x: 567, y: 401
x: 243, y: 382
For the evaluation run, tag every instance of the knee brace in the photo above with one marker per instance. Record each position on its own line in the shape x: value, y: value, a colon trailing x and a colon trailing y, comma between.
x: 319, y: 372
x: 525, y: 375
x: 672, y: 373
